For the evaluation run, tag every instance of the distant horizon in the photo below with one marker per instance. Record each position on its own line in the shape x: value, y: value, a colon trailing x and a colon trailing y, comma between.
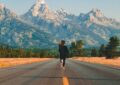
x: 108, y: 8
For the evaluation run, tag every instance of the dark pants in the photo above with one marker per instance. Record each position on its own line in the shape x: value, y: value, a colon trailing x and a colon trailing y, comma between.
x: 63, y: 61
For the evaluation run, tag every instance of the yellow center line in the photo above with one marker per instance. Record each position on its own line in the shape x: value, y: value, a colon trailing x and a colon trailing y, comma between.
x: 65, y: 81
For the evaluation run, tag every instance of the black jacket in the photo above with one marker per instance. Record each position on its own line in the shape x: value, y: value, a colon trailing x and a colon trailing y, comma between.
x: 63, y: 50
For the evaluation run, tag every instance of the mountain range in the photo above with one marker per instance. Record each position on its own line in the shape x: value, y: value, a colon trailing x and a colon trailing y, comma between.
x: 41, y: 27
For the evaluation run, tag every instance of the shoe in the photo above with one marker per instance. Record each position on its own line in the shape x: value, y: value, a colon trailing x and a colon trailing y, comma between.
x: 62, y: 61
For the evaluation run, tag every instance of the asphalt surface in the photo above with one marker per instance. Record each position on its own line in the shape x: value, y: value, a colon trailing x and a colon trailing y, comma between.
x: 51, y: 73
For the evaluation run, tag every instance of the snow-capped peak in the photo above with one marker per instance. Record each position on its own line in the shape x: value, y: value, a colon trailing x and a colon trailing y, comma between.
x: 41, y: 10
x: 96, y: 12
x: 2, y: 6
x: 40, y: 2
x: 39, y: 7
x: 62, y: 12
x: 5, y: 12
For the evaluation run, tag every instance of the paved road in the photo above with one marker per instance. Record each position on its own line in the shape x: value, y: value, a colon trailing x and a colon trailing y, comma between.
x: 50, y: 73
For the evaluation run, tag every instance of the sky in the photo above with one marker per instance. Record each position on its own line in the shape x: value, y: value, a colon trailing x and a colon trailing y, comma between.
x: 110, y: 8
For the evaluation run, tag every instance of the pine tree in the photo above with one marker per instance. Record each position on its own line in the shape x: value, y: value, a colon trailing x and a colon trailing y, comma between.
x: 102, y: 50
x: 94, y: 52
x: 73, y: 45
x: 79, y: 47
x: 111, y: 48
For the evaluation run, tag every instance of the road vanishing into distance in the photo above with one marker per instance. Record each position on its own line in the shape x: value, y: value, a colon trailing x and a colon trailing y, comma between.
x: 51, y: 73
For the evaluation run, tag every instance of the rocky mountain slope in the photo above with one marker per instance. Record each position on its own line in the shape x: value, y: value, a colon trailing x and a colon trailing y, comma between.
x: 94, y: 28
x: 39, y: 24
x: 18, y: 33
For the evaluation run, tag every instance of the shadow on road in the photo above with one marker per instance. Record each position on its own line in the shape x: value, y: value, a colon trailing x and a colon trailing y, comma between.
x: 74, y: 78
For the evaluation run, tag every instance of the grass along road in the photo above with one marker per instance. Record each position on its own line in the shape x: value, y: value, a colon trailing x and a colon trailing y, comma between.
x: 97, y: 60
x: 8, y: 62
